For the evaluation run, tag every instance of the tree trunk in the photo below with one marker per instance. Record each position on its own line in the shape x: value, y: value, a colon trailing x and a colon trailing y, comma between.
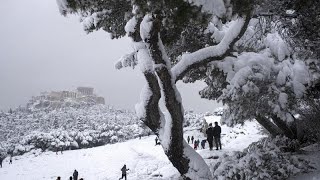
x: 190, y: 164
x: 284, y: 127
x: 268, y: 125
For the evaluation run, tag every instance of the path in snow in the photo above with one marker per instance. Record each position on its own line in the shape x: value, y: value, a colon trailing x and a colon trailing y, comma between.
x: 142, y: 157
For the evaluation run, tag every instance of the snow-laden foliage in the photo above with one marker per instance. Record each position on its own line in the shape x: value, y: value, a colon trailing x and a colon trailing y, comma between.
x: 266, y: 82
x: 264, y: 159
x: 71, y: 126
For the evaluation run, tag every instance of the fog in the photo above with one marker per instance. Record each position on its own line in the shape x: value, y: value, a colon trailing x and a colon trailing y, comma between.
x: 40, y: 50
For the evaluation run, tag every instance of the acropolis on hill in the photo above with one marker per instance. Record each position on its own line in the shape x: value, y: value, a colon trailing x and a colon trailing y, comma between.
x: 80, y: 94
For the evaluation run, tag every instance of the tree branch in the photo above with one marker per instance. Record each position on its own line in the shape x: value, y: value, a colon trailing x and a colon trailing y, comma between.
x: 213, y: 53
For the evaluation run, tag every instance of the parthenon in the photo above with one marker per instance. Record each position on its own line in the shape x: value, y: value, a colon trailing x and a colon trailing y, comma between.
x: 81, y: 94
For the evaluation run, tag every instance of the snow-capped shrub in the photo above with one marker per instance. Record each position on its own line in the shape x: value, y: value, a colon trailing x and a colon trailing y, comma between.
x: 114, y: 139
x: 261, y: 160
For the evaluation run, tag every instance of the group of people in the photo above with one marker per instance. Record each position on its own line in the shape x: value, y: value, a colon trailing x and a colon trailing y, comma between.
x: 2, y: 158
x: 213, y: 133
x: 73, y: 177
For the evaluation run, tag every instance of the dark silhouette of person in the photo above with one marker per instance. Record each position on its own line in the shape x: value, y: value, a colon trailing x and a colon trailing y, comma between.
x: 217, y: 135
x: 58, y: 178
x: 209, y: 133
x: 10, y: 160
x: 195, y: 145
x: 188, y: 139
x: 70, y: 178
x: 203, y: 143
x: 75, y: 175
x: 192, y: 138
x: 124, y: 172
x: 1, y: 159
x: 156, y: 140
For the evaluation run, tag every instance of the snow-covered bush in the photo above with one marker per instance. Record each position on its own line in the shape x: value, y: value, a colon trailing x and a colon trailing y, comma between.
x: 261, y: 160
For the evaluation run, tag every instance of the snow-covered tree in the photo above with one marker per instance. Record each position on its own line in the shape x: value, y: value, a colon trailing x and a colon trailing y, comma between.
x: 268, y: 82
x: 171, y: 39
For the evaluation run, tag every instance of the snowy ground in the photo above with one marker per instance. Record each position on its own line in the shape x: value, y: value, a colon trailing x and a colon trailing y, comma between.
x: 142, y: 157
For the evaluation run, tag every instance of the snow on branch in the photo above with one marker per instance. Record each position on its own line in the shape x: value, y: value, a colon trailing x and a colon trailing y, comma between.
x: 63, y: 6
x: 140, y: 107
x: 145, y: 27
x: 138, y: 56
x: 189, y: 59
x: 128, y: 60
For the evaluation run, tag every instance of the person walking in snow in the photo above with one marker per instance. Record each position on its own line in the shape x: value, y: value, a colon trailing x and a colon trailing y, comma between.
x: 196, y: 144
x: 70, y: 178
x: 192, y: 138
x: 157, y: 141
x: 203, y: 143
x: 217, y: 135
x: 1, y: 159
x: 188, y: 139
x: 10, y: 160
x: 75, y: 175
x: 124, y: 172
x: 209, y: 133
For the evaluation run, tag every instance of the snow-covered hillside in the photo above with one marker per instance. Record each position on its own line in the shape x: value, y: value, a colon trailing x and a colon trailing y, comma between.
x: 145, y: 160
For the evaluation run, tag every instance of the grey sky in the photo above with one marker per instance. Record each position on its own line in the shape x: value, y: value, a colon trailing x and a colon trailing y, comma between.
x: 40, y: 50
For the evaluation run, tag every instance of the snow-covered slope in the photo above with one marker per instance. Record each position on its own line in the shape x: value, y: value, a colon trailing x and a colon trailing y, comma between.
x: 145, y: 160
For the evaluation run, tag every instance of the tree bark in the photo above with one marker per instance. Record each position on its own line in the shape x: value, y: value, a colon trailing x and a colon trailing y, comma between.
x: 152, y: 119
x: 284, y: 127
x: 268, y: 125
x: 177, y: 150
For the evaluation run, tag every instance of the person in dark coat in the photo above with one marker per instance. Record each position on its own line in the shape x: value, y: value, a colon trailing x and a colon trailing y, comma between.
x: 10, y: 160
x: 188, y: 139
x: 203, y: 143
x: 195, y: 145
x: 70, y: 178
x: 209, y: 133
x: 217, y: 135
x: 157, y: 143
x: 124, y: 172
x: 1, y: 159
x: 75, y: 175
x: 192, y: 138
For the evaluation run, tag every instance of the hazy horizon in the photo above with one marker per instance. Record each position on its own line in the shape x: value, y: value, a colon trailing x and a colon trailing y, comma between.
x: 40, y: 50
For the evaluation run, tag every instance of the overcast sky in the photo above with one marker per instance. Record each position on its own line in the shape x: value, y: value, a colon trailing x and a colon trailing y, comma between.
x: 40, y: 50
